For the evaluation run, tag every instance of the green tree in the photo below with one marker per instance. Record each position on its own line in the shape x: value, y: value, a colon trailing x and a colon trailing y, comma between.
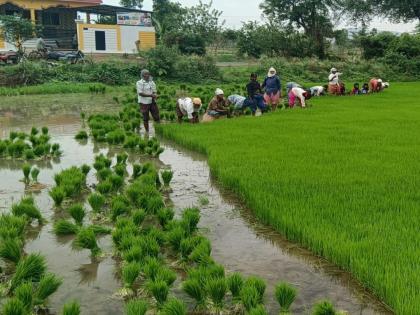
x: 167, y: 16
x: 16, y: 30
x: 133, y: 4
x: 313, y: 16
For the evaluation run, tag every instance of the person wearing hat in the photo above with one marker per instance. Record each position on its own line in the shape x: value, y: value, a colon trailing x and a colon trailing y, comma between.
x: 375, y: 85
x: 272, y: 87
x: 334, y: 87
x: 186, y: 106
x: 218, y: 106
x: 300, y: 94
x: 147, y: 95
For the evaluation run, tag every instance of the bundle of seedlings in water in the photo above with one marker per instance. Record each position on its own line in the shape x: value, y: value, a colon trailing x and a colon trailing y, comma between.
x: 14, y: 306
x: 250, y: 297
x: 130, y: 273
x: 25, y: 294
x: 64, y: 227
x: 72, y: 180
x: 85, y: 169
x: 138, y: 216
x: 259, y: 310
x: 12, y: 226
x: 324, y: 308
x: 116, y: 181
x: 57, y: 194
x: 259, y: 285
x: 55, y: 150
x: 188, y: 245
x: 165, y: 215
x: 201, y: 253
x: 195, y: 290
x: 122, y: 159
x: 78, y: 213
x: 86, y: 239
x: 26, y: 169
x: 167, y: 176
x: 149, y: 246
x: 216, y: 289
x: 119, y: 207
x: 136, y: 307
x: 30, y: 268
x: 71, y: 308
x: 174, y: 307
x: 44, y: 130
x: 235, y: 283
x: 97, y: 202
x: 26, y: 207
x: 100, y: 230
x: 104, y: 187
x: 167, y: 275
x: 154, y: 204
x: 190, y: 219
x: 81, y: 135
x: 131, y: 142
x: 175, y: 236
x: 48, y: 285
x: 159, y: 289
x: 34, y: 131
x: 120, y: 170
x: 137, y: 171
x: 103, y: 174
x: 34, y: 174
x: 11, y: 249
x: 285, y: 295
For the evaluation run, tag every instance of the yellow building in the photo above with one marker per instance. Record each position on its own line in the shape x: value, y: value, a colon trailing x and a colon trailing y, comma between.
x: 80, y: 24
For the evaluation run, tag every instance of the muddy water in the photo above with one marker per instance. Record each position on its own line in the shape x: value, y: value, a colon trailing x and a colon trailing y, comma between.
x: 239, y: 243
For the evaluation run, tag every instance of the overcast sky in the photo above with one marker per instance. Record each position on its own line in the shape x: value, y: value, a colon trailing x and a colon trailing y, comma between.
x: 237, y: 11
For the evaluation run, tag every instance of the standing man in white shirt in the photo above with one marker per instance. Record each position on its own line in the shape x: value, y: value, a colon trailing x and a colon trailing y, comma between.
x: 334, y: 82
x: 186, y: 106
x: 147, y: 95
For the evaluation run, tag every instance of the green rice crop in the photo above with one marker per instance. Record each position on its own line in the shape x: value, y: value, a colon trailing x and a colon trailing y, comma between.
x: 235, y: 283
x: 122, y: 158
x: 165, y: 215
x: 14, y: 306
x: 34, y: 131
x: 203, y: 200
x: 86, y: 239
x: 26, y: 207
x: 324, y: 308
x: 258, y: 284
x: 175, y: 237
x: 31, y: 267
x: 97, y: 202
x: 188, y: 245
x: 24, y: 293
x: 136, y: 307
x: 104, y: 187
x: 48, y: 285
x: 34, y: 174
x: 100, y: 230
x: 190, y: 219
x: 174, y: 307
x: 64, y: 227
x: 44, y: 130
x: 29, y: 154
x: 103, y: 173
x: 156, y: 234
x: 130, y: 272
x: 216, y: 289
x: 26, y: 169
x: 154, y: 204
x: 120, y: 170
x: 167, y: 275
x: 133, y: 254
x: 250, y: 297
x: 289, y: 180
x: 85, y: 169
x: 12, y: 226
x: 11, y: 249
x: 71, y: 308
x: 167, y: 176
x: 81, y: 135
x: 159, y: 290
x: 195, y: 290
x: 201, y: 253
x: 149, y: 246
x: 151, y: 268
x: 57, y: 194
x: 138, y: 216
x: 78, y: 213
x: 117, y: 181
x: 137, y: 170
x: 259, y: 310
x: 119, y: 208
x: 73, y: 180
x: 285, y: 295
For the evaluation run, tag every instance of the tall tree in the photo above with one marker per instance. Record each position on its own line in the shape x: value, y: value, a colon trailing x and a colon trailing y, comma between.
x: 133, y: 4
x: 313, y: 16
x: 167, y: 16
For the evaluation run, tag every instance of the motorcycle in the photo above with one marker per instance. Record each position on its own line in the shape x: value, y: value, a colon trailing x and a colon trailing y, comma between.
x: 50, y: 55
x: 9, y: 57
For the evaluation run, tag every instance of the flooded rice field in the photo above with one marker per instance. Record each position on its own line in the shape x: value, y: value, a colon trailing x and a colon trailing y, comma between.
x: 238, y: 241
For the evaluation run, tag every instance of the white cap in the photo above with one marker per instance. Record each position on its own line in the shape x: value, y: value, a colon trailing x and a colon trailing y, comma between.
x: 386, y: 84
x: 219, y: 92
x: 333, y: 70
x: 379, y: 80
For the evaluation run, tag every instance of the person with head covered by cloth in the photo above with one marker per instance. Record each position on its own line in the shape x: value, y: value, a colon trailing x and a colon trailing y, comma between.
x: 147, y: 96
x: 188, y: 107
x: 218, y: 106
x: 334, y: 87
x: 272, y: 87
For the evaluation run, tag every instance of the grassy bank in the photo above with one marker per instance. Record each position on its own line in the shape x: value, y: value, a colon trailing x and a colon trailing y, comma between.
x: 341, y: 178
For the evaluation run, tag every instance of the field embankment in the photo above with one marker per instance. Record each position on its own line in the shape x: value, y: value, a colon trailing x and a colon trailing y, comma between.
x: 341, y: 178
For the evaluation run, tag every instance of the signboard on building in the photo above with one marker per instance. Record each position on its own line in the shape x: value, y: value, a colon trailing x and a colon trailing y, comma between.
x: 134, y: 18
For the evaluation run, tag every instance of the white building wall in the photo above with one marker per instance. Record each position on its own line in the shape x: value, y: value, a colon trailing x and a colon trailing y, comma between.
x: 129, y: 36
x: 90, y: 42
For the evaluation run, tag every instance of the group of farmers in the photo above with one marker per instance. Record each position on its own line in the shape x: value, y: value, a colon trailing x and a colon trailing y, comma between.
x: 260, y: 96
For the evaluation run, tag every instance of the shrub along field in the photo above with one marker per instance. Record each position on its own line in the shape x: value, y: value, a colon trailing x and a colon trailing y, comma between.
x: 340, y: 177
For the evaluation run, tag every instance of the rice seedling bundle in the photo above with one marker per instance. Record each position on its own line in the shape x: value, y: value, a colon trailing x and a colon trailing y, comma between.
x: 57, y: 194
x: 174, y: 307
x: 235, y: 283
x: 136, y: 307
x: 149, y: 246
x: 188, y: 245
x: 216, y: 289
x: 259, y: 310
x: 122, y: 158
x: 29, y: 154
x: 165, y: 215
x: 104, y: 187
x: 250, y: 297
x: 133, y: 254
x: 285, y: 295
x: 120, y: 170
x: 78, y: 213
x: 11, y: 249
x: 167, y: 275
x: 159, y: 290
x: 86, y: 239
x: 44, y: 130
x: 154, y: 204
x: 324, y: 308
x: 156, y: 234
x: 81, y: 135
x: 117, y: 181
x: 167, y: 176
x: 34, y: 174
x: 24, y: 293
x: 14, y: 306
x: 195, y: 290
x: 138, y: 216
x: 201, y: 253
x: 137, y: 170
x: 29, y: 268
x: 85, y: 169
x: 119, y: 208
x: 73, y: 180
x: 97, y: 202
x: 175, y: 236
x: 64, y: 227
x: 71, y: 308
x: 12, y: 226
x: 190, y: 219
x: 130, y: 272
x: 26, y: 207
x: 34, y: 131
x: 258, y: 284
x: 100, y: 230
x: 151, y: 268
x: 48, y: 285
x: 26, y: 169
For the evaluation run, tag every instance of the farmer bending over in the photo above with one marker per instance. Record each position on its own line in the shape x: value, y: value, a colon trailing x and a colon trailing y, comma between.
x: 334, y: 87
x: 317, y: 90
x: 272, y: 86
x: 255, y: 94
x: 299, y: 94
x: 375, y: 85
x: 147, y: 95
x: 218, y: 106
x: 188, y: 107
